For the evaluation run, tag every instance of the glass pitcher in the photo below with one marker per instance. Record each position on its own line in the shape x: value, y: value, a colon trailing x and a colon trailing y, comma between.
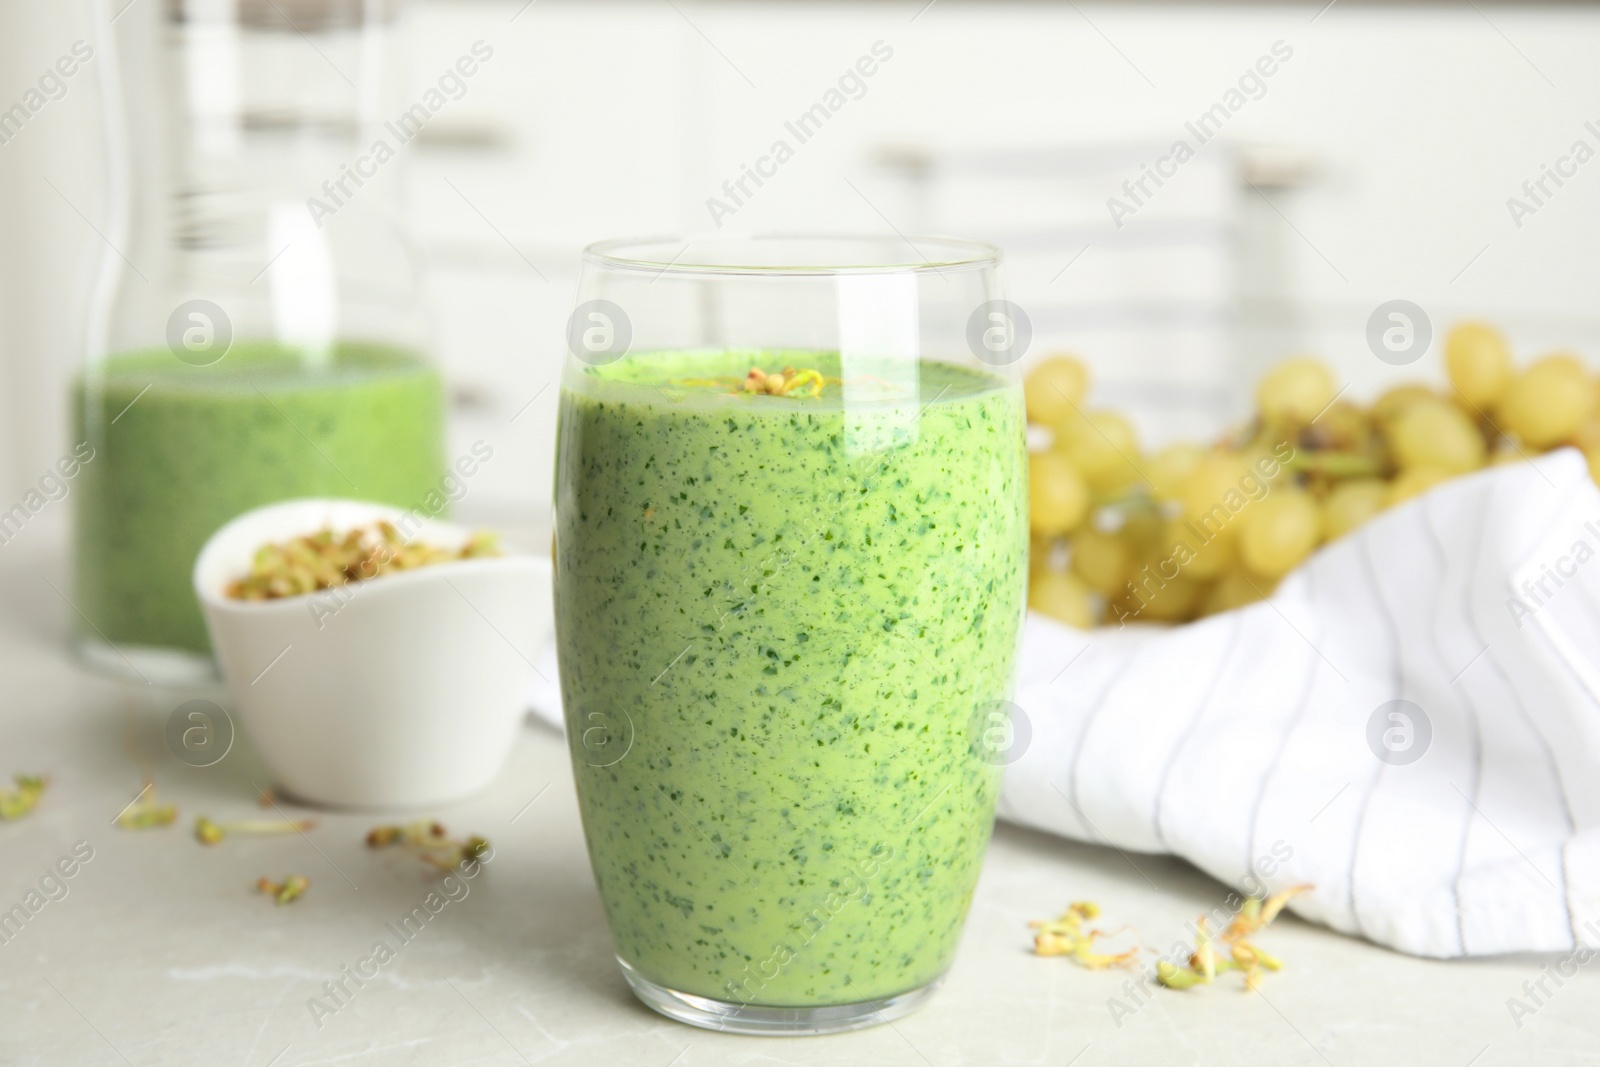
x: 254, y: 329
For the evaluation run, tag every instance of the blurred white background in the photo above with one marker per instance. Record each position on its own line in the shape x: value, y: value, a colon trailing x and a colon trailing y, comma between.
x: 1376, y: 164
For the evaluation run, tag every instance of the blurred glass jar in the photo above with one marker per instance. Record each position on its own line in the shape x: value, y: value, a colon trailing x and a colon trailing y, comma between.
x: 255, y: 329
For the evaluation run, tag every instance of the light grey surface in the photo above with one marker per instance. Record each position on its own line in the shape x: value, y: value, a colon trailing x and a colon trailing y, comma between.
x: 162, y: 952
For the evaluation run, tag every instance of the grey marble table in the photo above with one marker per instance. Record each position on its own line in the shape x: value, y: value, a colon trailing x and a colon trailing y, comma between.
x: 161, y: 952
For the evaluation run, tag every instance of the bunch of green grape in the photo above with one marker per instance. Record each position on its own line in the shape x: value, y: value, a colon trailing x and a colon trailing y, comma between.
x: 1124, y: 535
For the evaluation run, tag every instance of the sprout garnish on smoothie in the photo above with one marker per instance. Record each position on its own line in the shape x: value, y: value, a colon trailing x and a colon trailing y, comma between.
x: 805, y: 383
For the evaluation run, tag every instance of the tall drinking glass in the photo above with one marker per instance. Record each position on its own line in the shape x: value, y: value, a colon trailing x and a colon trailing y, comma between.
x: 791, y: 551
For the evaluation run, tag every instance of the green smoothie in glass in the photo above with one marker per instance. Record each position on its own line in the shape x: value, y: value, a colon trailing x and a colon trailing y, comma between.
x: 181, y: 449
x: 776, y: 617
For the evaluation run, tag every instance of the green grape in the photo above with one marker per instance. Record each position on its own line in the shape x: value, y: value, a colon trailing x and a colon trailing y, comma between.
x: 1143, y: 529
x: 1043, y: 553
x: 1280, y: 531
x: 1295, y: 391
x: 1395, y: 399
x: 1102, y: 445
x: 1414, y: 481
x: 1201, y: 559
x: 1210, y: 482
x: 1435, y: 433
x: 1157, y: 599
x: 1058, y: 498
x: 1235, y: 589
x: 1170, y: 468
x: 1479, y: 362
x: 1351, y: 504
x: 1054, y: 390
x: 1063, y: 597
x: 1104, y: 561
x: 1506, y: 454
x: 1343, y: 427
x: 1548, y: 402
x: 1587, y: 436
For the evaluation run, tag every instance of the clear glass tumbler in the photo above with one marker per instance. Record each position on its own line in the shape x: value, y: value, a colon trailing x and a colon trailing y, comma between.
x: 791, y: 554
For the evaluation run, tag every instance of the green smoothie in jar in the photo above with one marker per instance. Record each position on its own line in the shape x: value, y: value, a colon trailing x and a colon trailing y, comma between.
x: 777, y: 616
x: 179, y: 450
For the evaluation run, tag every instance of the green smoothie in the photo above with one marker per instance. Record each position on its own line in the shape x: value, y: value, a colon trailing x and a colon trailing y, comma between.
x: 180, y: 450
x: 777, y: 617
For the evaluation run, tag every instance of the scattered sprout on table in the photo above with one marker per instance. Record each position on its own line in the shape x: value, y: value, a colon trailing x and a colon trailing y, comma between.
x: 1067, y: 937
x: 15, y: 803
x: 287, y: 891
x: 212, y: 833
x: 147, y: 813
x: 1243, y: 956
x: 431, y: 841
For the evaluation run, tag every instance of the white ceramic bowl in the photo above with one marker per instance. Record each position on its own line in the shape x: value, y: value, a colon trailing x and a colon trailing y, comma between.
x: 402, y: 691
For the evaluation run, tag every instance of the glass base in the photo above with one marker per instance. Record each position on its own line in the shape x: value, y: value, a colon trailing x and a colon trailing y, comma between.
x: 773, y: 1021
x: 176, y: 668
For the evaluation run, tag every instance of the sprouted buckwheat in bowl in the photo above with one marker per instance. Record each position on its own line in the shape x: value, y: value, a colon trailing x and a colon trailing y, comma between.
x: 329, y: 559
x: 376, y: 658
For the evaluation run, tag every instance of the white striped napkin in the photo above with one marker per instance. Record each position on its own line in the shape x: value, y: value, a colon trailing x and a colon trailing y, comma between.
x: 1263, y: 745
x: 1267, y: 746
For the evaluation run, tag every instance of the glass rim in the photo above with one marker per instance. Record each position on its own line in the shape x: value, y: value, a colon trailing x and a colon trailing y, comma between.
x: 667, y: 254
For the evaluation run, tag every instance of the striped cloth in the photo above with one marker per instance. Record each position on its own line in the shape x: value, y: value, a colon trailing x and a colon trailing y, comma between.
x: 1411, y: 724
